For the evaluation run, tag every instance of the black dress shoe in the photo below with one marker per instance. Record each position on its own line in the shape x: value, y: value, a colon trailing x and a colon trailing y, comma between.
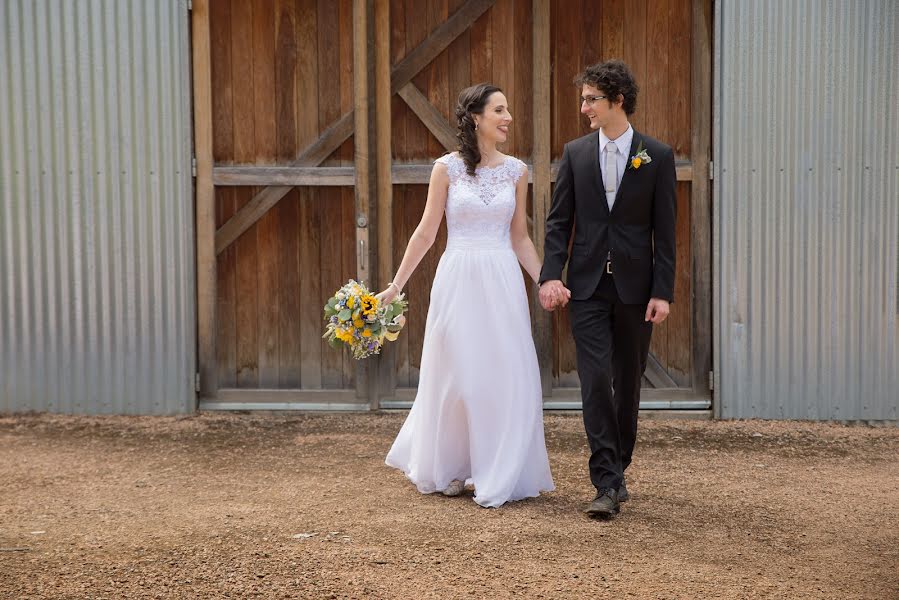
x: 623, y: 496
x: 605, y: 505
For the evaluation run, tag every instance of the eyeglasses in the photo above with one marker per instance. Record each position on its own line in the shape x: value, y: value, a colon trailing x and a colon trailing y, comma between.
x: 591, y: 100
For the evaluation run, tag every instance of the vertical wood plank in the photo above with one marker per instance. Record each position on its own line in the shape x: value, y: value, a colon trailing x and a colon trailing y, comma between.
x: 222, y: 102
x: 482, y: 48
x: 417, y: 288
x: 417, y: 135
x: 634, y: 53
x: 701, y: 218
x: 399, y: 110
x: 330, y: 269
x: 348, y: 268
x: 401, y: 238
x: 286, y: 69
x: 569, y: 35
x: 614, y: 28
x: 287, y: 211
x: 459, y: 66
x: 654, y: 89
x: 226, y: 290
x: 521, y: 145
x: 542, y: 82
x: 330, y: 77
x: 591, y: 52
x: 363, y: 217
x: 327, y: 201
x: 290, y: 299
x: 223, y: 151
x: 244, y: 152
x: 567, y: 40
x: 308, y: 225
x: 267, y: 229
x: 438, y: 77
x: 347, y: 92
x: 680, y: 320
x: 399, y: 115
x: 416, y: 147
x: 680, y: 84
x: 205, y: 202
x: 383, y: 181
x: 307, y: 100
x: 503, y: 64
x: 309, y: 231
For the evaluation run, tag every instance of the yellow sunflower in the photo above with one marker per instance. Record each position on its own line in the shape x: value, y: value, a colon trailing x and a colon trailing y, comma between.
x: 369, y: 305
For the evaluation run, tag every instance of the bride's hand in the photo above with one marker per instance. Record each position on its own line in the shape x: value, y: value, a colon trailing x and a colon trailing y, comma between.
x: 388, y: 295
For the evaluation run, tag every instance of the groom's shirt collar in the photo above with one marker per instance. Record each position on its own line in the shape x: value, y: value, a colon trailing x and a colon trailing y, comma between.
x: 622, y: 142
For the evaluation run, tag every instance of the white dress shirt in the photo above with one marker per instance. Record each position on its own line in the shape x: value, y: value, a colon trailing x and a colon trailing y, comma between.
x: 623, y: 144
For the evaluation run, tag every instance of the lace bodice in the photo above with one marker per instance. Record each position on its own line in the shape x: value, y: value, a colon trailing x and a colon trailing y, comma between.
x: 479, y: 209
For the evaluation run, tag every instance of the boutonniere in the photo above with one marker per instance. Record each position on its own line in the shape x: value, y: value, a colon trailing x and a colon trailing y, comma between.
x: 640, y: 158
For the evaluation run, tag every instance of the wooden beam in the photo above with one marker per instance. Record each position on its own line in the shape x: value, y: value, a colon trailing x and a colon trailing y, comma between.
x: 700, y: 196
x: 340, y: 131
x: 205, y: 200
x: 400, y: 173
x: 363, y: 138
x: 281, y: 399
x: 363, y: 159
x: 569, y: 398
x: 284, y: 176
x: 657, y: 375
x: 429, y: 115
x: 541, y: 175
x: 383, y: 178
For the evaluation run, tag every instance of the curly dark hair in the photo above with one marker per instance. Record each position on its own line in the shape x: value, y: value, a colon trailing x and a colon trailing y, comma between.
x: 472, y: 101
x: 612, y: 78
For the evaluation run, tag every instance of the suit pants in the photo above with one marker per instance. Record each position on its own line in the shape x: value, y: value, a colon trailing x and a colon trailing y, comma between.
x: 612, y: 342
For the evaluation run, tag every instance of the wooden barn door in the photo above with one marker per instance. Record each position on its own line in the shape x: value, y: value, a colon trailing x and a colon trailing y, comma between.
x: 280, y: 92
x: 317, y: 123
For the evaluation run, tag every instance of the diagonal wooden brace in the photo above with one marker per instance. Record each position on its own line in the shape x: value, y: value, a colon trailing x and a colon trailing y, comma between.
x: 342, y: 129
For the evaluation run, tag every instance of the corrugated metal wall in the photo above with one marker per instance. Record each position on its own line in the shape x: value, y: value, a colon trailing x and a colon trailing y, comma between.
x: 97, y: 300
x: 806, y: 209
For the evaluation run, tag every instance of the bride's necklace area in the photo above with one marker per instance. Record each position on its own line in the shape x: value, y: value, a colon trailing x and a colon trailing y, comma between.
x: 493, y: 160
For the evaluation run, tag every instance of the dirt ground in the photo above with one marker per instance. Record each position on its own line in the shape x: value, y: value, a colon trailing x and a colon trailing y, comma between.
x: 302, y: 506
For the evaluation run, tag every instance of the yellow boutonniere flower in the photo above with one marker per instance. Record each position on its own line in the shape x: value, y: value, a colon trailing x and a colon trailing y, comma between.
x: 640, y: 158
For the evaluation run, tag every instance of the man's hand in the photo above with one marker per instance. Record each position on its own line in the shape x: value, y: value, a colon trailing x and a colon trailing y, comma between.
x: 553, y: 294
x: 657, y: 310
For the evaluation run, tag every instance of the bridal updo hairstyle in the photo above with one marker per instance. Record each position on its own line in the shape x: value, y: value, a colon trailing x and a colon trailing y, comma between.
x: 612, y: 78
x: 471, y: 101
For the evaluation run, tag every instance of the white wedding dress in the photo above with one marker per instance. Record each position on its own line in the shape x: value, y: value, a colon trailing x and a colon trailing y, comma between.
x: 478, y: 414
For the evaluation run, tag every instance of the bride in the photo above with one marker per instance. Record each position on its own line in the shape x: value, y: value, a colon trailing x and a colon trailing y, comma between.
x: 478, y: 414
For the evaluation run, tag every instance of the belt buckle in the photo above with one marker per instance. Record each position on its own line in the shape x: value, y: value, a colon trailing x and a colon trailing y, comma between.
x: 609, y: 267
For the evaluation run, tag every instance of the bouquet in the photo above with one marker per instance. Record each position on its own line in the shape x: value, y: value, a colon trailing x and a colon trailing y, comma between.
x: 355, y: 318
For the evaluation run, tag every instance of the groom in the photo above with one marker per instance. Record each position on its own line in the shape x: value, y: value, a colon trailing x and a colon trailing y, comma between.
x: 615, y: 195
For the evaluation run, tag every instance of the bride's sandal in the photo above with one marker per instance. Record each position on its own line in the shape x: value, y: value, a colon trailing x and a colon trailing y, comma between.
x: 454, y: 488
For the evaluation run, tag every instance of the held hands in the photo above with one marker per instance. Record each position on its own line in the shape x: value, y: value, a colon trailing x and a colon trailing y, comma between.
x: 553, y: 295
x: 657, y: 310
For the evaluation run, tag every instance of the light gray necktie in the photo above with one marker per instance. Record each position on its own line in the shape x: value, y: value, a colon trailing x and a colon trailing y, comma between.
x: 611, y: 173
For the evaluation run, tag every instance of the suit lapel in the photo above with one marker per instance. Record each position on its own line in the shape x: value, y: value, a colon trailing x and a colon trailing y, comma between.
x: 628, y: 172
